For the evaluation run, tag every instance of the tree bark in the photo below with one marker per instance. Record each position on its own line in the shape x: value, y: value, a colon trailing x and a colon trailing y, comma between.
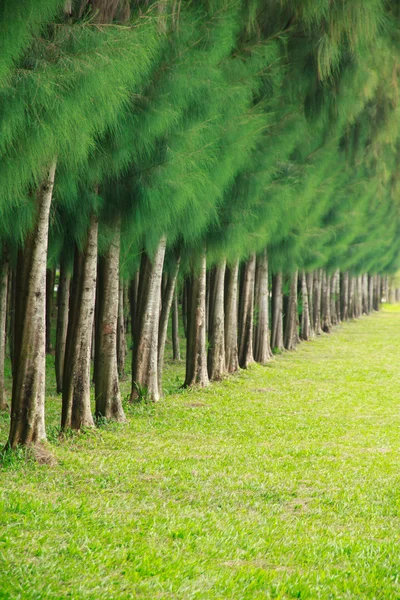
x: 365, y: 308
x: 62, y: 323
x: 167, y: 300
x: 317, y: 301
x: 333, y: 286
x: 107, y: 392
x: 185, y: 293
x: 370, y: 293
x: 231, y: 318
x: 145, y: 347
x: 310, y: 292
x: 306, y: 332
x: 50, y: 276
x: 216, y: 350
x: 277, y: 314
x: 345, y: 296
x: 196, y: 352
x: 176, y: 351
x: 246, y: 313
x: 28, y: 394
x: 4, y: 268
x: 291, y: 321
x: 121, y: 331
x: 326, y: 303
x: 76, y: 410
x: 262, y: 348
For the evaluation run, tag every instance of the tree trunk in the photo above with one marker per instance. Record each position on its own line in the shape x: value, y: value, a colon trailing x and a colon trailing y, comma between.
x: 352, y: 300
x: 370, y: 293
x: 133, y: 301
x: 332, y: 290
x: 76, y: 410
x: 262, y: 348
x: 216, y: 351
x: 107, y: 392
x: 196, y: 351
x: 246, y: 313
x: 176, y: 351
x: 121, y: 331
x: 326, y: 303
x: 365, y: 308
x: 3, y: 327
x: 185, y: 293
x: 291, y: 319
x: 167, y: 300
x: 28, y: 394
x: 50, y: 277
x: 145, y: 347
x: 306, y: 333
x: 317, y: 301
x: 345, y: 296
x: 310, y: 292
x: 62, y: 324
x: 231, y: 318
x: 277, y: 314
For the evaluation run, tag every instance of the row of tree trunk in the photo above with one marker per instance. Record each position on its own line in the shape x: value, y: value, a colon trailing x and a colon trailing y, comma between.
x: 232, y: 315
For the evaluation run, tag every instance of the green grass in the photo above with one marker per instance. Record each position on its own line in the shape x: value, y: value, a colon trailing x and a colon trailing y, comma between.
x: 281, y: 482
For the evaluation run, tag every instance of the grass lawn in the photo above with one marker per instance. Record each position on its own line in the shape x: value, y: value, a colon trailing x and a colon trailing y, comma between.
x: 281, y: 482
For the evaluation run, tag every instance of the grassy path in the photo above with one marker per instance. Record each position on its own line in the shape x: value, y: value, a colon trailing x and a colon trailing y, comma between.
x: 282, y: 482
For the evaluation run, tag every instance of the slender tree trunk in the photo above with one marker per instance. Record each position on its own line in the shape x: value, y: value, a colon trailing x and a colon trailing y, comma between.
x: 3, y: 327
x: 208, y: 304
x: 231, y: 318
x: 352, y: 312
x: 28, y: 394
x: 334, y: 319
x: 262, y: 348
x: 338, y: 298
x: 277, y: 314
x: 365, y: 308
x: 121, y: 331
x: 167, y: 300
x: 216, y: 351
x: 62, y: 324
x: 370, y: 293
x: 76, y: 409
x: 310, y: 292
x: 291, y: 321
x: 185, y: 294
x: 145, y: 348
x: 326, y: 303
x: 50, y: 276
x: 306, y: 333
x: 107, y: 392
x: 345, y: 296
x: 246, y: 313
x: 176, y: 351
x: 317, y: 301
x: 196, y: 352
